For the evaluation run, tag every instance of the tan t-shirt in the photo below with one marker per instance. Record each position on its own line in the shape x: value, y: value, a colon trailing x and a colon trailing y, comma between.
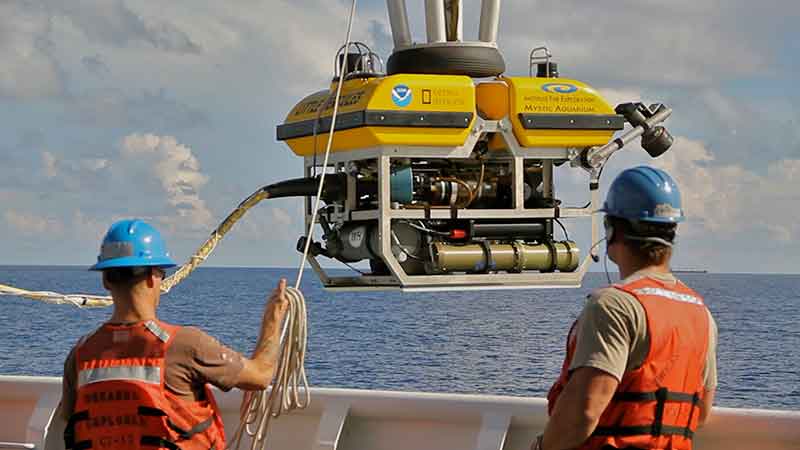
x: 193, y: 359
x: 612, y: 333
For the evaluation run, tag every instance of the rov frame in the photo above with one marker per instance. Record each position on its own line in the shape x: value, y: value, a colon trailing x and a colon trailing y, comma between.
x: 588, y: 159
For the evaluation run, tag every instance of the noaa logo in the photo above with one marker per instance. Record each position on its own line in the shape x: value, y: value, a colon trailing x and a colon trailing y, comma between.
x: 559, y: 88
x: 401, y: 95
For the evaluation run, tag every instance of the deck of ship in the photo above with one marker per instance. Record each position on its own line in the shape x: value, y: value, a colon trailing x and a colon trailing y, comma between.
x: 344, y: 419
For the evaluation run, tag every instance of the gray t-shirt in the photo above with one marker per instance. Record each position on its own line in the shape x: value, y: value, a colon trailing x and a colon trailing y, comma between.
x: 612, y: 336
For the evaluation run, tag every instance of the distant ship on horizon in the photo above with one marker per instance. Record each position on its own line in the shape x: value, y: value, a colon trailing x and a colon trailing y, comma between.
x: 688, y: 270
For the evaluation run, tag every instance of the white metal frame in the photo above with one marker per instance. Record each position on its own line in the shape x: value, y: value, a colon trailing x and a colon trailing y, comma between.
x: 385, y: 214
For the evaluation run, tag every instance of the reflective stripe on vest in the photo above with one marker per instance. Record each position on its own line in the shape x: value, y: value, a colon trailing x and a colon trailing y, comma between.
x: 145, y: 374
x: 157, y: 330
x: 672, y: 295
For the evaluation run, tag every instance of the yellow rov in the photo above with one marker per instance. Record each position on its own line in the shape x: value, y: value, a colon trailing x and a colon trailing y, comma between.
x: 441, y: 171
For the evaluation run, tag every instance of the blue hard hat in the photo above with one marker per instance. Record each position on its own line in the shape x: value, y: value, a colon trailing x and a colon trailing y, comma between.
x: 644, y: 194
x: 132, y: 243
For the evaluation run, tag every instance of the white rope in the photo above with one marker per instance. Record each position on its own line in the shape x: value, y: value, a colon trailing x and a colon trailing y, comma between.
x: 259, y: 407
x: 54, y: 298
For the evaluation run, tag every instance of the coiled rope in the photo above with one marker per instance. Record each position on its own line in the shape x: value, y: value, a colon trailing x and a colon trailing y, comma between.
x: 258, y: 408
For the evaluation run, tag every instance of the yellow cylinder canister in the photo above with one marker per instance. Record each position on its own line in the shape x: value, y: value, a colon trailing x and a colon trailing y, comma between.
x: 513, y: 257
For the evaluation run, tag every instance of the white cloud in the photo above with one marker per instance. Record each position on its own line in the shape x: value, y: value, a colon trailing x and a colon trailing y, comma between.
x: 32, y: 224
x: 91, y: 229
x: 722, y: 107
x: 163, y: 160
x: 63, y: 173
x: 281, y: 223
x: 96, y: 65
x: 662, y: 43
x: 270, y: 219
x: 94, y: 164
x: 277, y: 46
x: 49, y: 164
x: 281, y: 216
x: 122, y: 108
x: 113, y: 22
x: 28, y: 69
x: 729, y: 199
x: 153, y: 177
x: 616, y: 96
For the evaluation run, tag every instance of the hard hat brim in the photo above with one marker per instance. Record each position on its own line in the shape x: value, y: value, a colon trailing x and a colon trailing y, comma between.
x: 675, y: 220
x: 134, y: 261
x: 638, y: 217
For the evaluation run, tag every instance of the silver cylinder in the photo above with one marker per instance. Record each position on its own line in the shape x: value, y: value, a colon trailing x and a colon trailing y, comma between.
x: 490, y: 19
x: 434, y: 21
x: 398, y: 20
x: 547, y: 179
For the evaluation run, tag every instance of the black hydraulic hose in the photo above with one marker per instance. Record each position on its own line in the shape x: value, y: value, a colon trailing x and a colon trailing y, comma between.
x: 335, y: 187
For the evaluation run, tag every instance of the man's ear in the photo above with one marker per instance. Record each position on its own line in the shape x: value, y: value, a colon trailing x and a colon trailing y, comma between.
x: 106, y: 284
x: 151, y: 279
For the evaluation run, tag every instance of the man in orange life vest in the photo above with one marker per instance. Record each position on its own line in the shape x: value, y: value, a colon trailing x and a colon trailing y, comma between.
x: 137, y: 382
x: 640, y: 367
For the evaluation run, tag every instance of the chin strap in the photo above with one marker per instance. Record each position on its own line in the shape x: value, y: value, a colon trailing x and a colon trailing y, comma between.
x: 653, y: 239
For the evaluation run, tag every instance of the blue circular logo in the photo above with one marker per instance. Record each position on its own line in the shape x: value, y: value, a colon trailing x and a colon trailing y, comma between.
x: 401, y: 95
x: 559, y: 88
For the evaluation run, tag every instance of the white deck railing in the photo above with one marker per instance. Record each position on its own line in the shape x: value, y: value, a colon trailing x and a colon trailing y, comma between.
x: 347, y: 419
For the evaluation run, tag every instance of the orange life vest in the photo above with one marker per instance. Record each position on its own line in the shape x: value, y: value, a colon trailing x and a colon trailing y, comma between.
x: 122, y: 402
x: 655, y: 406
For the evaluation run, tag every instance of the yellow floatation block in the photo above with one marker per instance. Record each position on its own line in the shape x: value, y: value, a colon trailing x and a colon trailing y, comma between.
x: 402, y: 109
x: 558, y: 112
x: 439, y: 111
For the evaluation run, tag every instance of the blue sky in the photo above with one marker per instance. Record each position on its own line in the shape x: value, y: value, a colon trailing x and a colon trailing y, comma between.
x: 167, y: 111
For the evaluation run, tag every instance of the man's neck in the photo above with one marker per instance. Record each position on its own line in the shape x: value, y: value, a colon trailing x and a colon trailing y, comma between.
x: 129, y: 309
x: 626, y: 270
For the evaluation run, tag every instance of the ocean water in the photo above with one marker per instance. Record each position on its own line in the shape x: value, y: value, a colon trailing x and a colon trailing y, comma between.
x: 494, y: 342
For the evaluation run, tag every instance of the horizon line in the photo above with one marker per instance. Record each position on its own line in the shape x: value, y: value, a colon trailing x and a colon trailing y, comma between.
x: 345, y: 268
